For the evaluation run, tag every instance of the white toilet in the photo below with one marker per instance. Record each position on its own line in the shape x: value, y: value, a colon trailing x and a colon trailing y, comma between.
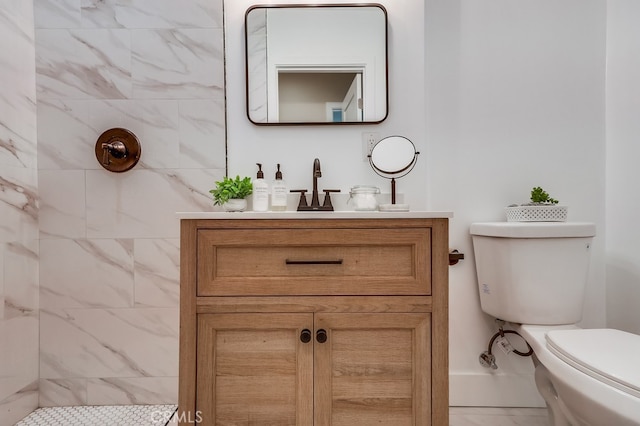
x: 533, y: 274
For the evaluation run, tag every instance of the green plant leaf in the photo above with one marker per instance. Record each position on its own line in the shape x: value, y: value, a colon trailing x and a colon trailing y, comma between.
x: 540, y: 196
x: 229, y: 188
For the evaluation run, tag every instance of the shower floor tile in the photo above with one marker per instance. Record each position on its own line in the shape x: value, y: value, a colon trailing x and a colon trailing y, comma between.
x: 159, y: 415
x: 107, y: 415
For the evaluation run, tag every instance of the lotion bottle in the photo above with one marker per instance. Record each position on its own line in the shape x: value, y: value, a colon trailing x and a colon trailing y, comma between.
x: 260, y: 196
x: 278, y: 193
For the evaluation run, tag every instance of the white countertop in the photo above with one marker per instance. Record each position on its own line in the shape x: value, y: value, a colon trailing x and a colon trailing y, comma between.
x: 315, y: 215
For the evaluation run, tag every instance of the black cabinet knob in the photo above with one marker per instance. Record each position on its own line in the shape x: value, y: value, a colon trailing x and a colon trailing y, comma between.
x: 305, y: 336
x: 321, y: 336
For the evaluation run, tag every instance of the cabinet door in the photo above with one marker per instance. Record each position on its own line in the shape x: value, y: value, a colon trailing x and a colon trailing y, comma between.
x: 373, y: 369
x: 254, y: 369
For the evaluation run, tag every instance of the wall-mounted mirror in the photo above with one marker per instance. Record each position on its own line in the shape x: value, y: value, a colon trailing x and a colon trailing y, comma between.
x: 316, y: 64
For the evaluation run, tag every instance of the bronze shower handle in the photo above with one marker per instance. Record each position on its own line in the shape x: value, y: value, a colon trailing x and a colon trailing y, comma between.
x: 116, y: 149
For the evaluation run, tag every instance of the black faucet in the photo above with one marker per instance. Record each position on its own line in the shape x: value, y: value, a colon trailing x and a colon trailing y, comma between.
x: 315, y: 199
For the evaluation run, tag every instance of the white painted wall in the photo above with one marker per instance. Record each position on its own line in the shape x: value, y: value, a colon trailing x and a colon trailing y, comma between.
x: 515, y: 99
x: 499, y: 96
x: 338, y: 148
x: 623, y: 174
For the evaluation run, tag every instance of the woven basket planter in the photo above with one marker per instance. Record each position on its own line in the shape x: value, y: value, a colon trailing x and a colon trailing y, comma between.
x: 542, y: 213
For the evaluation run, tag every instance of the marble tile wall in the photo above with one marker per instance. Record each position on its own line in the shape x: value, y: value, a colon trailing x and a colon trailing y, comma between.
x: 18, y: 214
x: 109, y: 242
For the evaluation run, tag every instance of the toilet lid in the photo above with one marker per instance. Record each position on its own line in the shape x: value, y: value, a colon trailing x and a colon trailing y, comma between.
x: 611, y: 356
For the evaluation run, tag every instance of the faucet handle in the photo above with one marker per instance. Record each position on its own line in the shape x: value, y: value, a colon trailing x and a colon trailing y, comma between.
x: 327, y: 198
x: 117, y: 149
x: 303, y: 197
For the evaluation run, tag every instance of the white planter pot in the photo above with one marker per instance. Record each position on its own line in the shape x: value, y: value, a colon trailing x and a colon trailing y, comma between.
x: 235, y: 205
x: 542, y: 213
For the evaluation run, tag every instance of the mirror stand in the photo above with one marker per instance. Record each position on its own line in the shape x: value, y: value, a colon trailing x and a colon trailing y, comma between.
x: 393, y: 157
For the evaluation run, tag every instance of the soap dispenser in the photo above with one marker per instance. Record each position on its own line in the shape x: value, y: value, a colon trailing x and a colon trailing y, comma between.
x: 260, y: 192
x: 278, y: 193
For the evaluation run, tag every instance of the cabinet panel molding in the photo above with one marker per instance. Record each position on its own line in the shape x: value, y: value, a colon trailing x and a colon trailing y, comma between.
x: 374, y: 368
x: 254, y: 369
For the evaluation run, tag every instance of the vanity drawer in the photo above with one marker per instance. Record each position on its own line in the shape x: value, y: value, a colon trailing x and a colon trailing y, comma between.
x: 387, y: 261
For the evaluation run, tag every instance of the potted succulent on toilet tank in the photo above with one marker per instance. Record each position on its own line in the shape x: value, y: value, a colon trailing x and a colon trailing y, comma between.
x: 232, y: 194
x: 541, y: 208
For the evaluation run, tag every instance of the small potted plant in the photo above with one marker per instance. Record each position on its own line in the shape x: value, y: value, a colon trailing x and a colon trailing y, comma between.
x: 232, y: 194
x: 541, y: 208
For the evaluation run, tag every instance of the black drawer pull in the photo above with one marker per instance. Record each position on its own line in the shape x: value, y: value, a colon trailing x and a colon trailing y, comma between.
x: 313, y: 262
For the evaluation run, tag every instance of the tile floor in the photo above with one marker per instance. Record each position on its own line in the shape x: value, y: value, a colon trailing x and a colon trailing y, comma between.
x: 159, y: 415
x: 493, y: 416
x: 107, y: 415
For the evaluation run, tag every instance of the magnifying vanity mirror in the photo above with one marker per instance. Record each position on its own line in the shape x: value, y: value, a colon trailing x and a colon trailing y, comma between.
x: 391, y: 158
x: 316, y: 64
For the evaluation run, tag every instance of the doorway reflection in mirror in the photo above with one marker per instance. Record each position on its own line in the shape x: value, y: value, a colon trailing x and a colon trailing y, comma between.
x: 320, y: 96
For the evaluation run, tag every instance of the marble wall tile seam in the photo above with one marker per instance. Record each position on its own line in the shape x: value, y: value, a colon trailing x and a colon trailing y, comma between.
x: 30, y: 386
x: 83, y: 63
x: 17, y: 150
x: 108, y: 343
x: 13, y: 385
x: 107, y: 391
x: 134, y: 390
x: 19, y: 195
x: 128, y: 14
x: 144, y: 271
x: 15, y: 310
x: 174, y: 134
x: 181, y: 63
x: 129, y: 64
x: 127, y: 212
x: 84, y: 380
x: 62, y: 392
x: 94, y: 273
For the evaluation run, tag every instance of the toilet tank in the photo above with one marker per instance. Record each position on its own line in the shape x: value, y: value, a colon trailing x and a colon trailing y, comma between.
x: 532, y: 272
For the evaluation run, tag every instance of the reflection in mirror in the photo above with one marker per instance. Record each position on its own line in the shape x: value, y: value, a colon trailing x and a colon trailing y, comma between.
x: 336, y: 95
x: 316, y: 64
x: 393, y: 157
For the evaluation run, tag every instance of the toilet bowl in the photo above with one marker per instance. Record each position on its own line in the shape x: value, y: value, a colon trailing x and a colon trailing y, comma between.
x: 586, y: 376
x: 534, y: 275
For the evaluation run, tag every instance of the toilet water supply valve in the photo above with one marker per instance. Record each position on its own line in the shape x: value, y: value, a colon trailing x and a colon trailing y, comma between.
x: 488, y: 359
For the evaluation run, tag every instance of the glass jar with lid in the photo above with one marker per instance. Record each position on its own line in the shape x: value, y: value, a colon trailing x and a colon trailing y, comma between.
x: 364, y: 197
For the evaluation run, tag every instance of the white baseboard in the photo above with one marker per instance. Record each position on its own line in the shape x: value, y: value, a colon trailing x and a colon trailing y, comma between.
x: 493, y: 390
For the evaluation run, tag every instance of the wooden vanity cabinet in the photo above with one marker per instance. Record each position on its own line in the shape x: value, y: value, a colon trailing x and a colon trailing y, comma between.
x: 314, y: 322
